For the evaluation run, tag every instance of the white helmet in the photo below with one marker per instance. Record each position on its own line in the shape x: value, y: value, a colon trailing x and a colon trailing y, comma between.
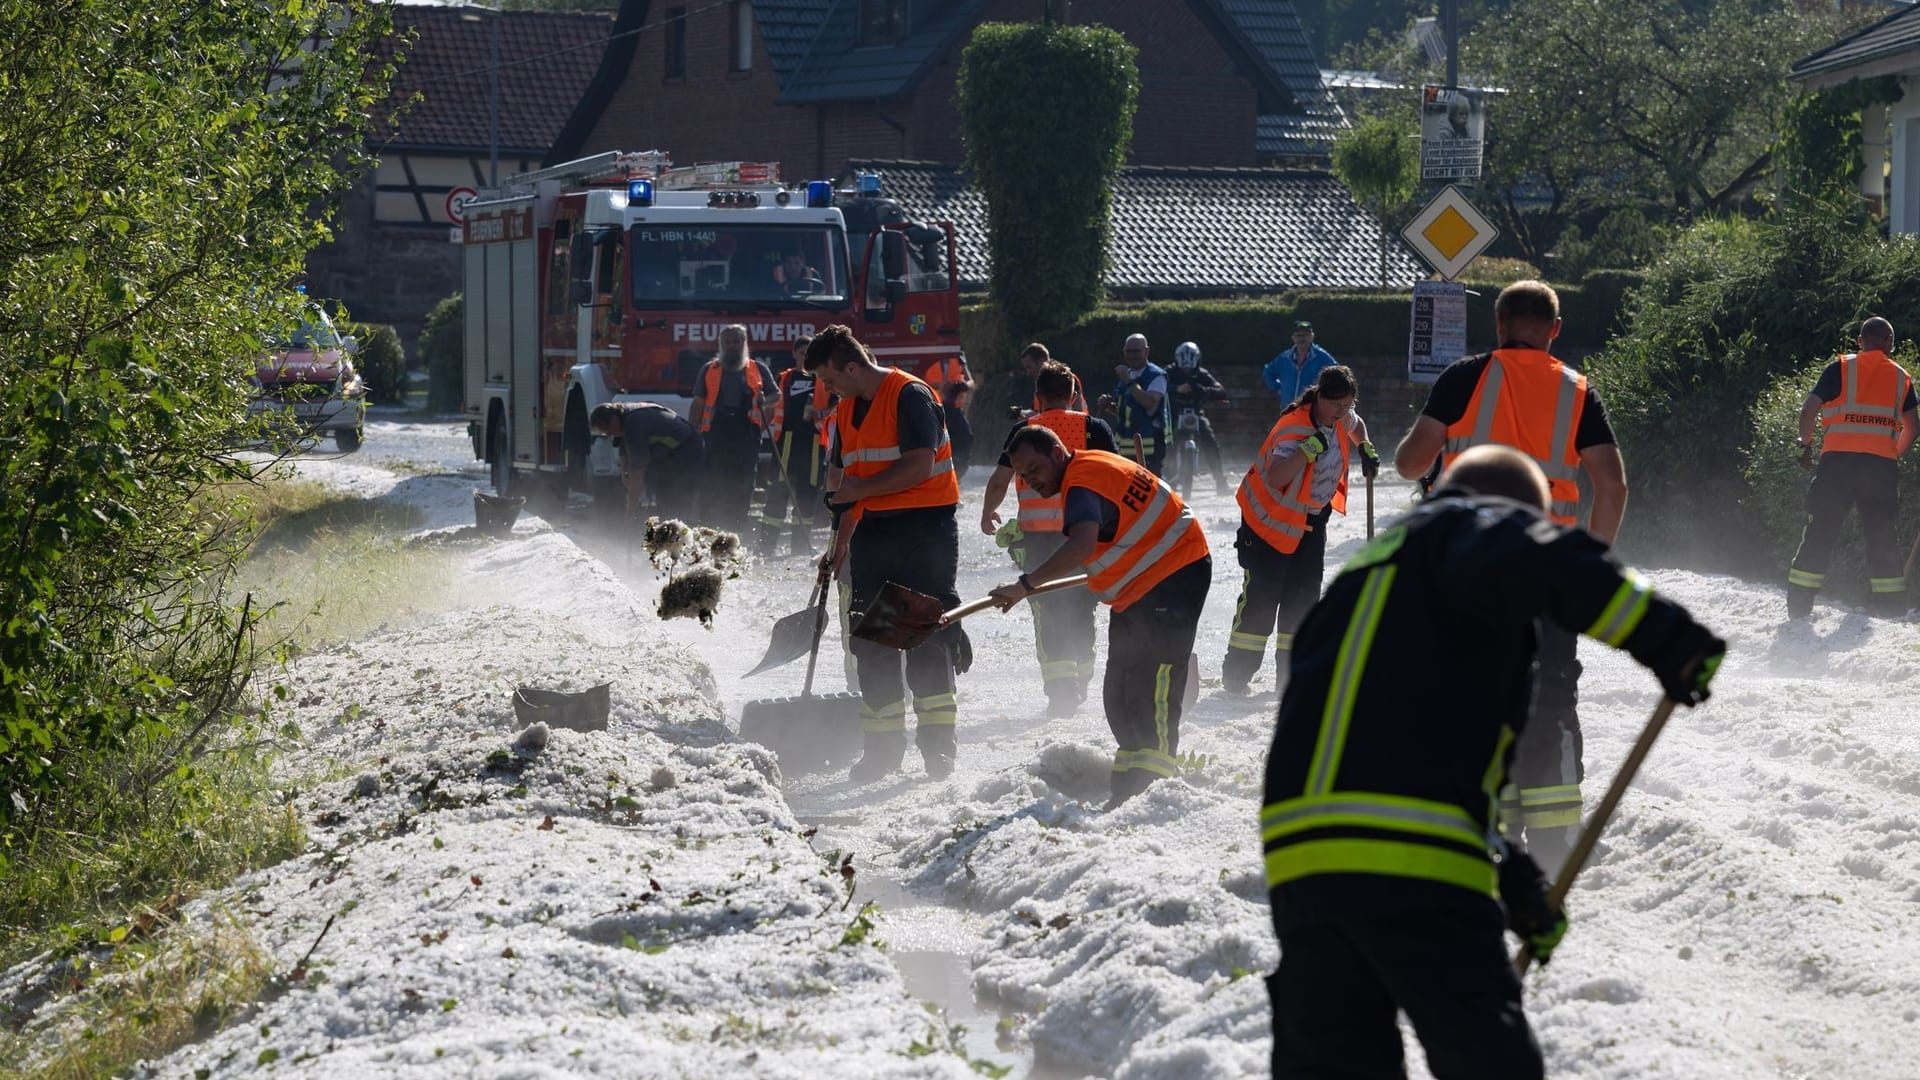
x: 1187, y: 355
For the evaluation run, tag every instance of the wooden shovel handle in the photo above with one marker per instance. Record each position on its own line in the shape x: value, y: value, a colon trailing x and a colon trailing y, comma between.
x: 973, y: 607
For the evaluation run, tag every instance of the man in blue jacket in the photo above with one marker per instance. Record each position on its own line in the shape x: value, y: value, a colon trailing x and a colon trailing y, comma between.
x: 1296, y: 369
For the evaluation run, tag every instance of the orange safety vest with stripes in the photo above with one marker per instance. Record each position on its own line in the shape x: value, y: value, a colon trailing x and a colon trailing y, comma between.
x: 1077, y: 403
x: 1865, y: 417
x: 1040, y: 513
x: 942, y: 374
x: 1156, y: 534
x: 1531, y: 402
x: 756, y: 395
x: 1280, y: 517
x: 871, y: 447
x: 817, y: 402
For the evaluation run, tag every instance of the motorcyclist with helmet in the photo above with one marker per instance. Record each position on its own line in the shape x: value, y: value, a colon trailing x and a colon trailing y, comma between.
x: 1190, y: 386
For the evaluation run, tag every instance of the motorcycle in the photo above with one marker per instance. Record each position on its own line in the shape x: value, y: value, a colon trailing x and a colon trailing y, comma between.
x: 1186, y: 446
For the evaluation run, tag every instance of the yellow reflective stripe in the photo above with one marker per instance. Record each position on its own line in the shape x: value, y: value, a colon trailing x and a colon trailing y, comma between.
x: 1395, y: 813
x: 1622, y: 615
x: 1556, y: 793
x: 933, y: 701
x: 1240, y: 639
x: 1283, y: 642
x: 1059, y: 669
x: 1491, y: 780
x: 1153, y: 761
x: 1162, y: 693
x: 1888, y: 584
x: 1345, y: 685
x: 1808, y: 579
x: 885, y: 719
x: 1387, y: 857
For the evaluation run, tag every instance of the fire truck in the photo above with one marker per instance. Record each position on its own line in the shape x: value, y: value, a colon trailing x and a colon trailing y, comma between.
x: 609, y: 279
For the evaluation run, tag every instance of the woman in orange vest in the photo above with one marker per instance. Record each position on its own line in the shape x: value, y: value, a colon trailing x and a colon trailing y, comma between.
x: 1063, y: 630
x: 894, y: 497
x: 1296, y: 483
x: 1146, y: 556
x: 1867, y: 406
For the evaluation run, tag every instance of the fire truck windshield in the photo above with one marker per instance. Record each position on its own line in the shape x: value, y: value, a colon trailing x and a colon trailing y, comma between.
x: 709, y: 264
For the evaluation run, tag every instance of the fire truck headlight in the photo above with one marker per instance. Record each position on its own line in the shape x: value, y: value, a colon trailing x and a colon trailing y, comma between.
x: 640, y: 192
x: 819, y: 193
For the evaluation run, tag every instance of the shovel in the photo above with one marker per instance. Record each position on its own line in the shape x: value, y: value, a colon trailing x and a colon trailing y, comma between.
x: 806, y: 732
x: 794, y: 634
x: 904, y: 619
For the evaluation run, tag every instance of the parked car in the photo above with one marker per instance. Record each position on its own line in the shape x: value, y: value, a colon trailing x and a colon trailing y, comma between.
x: 306, y: 384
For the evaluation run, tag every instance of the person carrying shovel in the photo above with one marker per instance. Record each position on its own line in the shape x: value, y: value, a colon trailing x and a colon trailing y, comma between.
x: 1410, y: 681
x: 1144, y: 555
x: 894, y: 497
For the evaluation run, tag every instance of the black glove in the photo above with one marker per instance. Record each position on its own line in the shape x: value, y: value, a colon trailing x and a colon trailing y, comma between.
x: 1688, y: 664
x: 835, y: 509
x: 962, y: 648
x: 1369, y: 461
x: 1530, y: 911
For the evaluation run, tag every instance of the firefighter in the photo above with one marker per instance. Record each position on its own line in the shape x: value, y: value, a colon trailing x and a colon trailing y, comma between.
x: 1190, y: 386
x: 1297, y: 482
x: 1139, y: 401
x: 1867, y: 406
x: 1384, y: 766
x: 1147, y: 557
x: 655, y: 445
x: 953, y: 384
x: 799, y: 453
x: 1520, y: 396
x: 895, y: 497
x: 730, y: 407
x: 1032, y: 358
x: 1062, y: 621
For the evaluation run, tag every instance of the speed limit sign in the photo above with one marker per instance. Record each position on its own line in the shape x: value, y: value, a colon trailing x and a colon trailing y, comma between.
x: 457, y: 201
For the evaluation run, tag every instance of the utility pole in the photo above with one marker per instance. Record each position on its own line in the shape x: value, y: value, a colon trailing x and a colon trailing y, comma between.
x: 493, y: 95
x: 1450, y: 25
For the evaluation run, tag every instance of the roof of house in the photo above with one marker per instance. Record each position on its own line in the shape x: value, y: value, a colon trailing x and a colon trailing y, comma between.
x: 1882, y: 48
x: 1190, y: 229
x: 1311, y: 120
x: 546, y: 60
x: 837, y: 68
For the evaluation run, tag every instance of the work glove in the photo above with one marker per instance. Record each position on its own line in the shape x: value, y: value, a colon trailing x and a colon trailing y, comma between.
x: 961, y: 648
x: 1690, y: 662
x: 1314, y: 445
x: 1369, y: 461
x: 1009, y: 534
x: 1531, y: 914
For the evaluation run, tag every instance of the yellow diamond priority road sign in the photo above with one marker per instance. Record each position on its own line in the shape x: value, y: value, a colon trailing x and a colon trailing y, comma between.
x: 1449, y: 232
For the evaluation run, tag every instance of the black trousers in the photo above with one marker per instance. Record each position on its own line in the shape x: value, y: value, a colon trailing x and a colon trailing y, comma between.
x: 675, y: 481
x: 1542, y: 803
x: 1843, y: 483
x: 919, y: 549
x: 1345, y: 973
x: 1147, y: 649
x: 1276, y: 592
x: 960, y: 432
x: 1063, y: 630
x: 733, y: 460
x: 803, y: 466
x: 1153, y: 450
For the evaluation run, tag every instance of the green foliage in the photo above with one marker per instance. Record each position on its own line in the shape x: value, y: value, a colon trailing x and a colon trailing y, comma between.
x: 1624, y: 240
x: 1730, y: 307
x: 1820, y: 145
x: 162, y: 162
x: 381, y: 361
x: 443, y: 349
x: 1047, y: 173
x: 1377, y: 161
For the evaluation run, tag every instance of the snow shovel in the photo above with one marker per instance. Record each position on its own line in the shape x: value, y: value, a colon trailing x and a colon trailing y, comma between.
x: 904, y: 619
x: 1369, y: 507
x: 1589, y: 836
x: 794, y: 634
x: 806, y: 732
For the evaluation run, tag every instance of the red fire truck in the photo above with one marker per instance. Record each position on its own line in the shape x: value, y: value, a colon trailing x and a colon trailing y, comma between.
x: 609, y: 278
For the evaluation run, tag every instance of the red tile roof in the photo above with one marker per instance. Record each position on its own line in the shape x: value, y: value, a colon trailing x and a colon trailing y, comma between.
x: 546, y: 60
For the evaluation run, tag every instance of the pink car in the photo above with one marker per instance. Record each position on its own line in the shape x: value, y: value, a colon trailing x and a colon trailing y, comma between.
x: 308, y: 383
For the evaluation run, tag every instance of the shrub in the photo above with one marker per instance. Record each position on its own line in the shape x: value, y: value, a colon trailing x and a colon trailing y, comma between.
x: 382, y: 362
x: 443, y: 348
x: 1623, y: 239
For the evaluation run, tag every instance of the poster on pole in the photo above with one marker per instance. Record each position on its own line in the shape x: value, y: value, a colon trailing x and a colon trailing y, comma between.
x: 1439, y: 333
x: 1453, y: 131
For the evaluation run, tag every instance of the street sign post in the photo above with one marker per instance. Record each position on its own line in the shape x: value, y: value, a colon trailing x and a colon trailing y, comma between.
x: 1449, y: 232
x: 1438, y: 335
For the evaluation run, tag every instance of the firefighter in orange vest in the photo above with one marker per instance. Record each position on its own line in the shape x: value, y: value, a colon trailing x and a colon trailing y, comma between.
x: 799, y: 452
x: 1032, y: 359
x: 1297, y: 482
x: 894, y: 497
x: 1145, y: 555
x: 1867, y: 407
x: 1520, y: 396
x: 953, y: 385
x: 730, y: 409
x: 1062, y: 621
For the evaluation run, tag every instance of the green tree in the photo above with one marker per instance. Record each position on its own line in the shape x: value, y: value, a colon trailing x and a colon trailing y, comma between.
x: 1046, y: 112
x: 1376, y: 160
x: 162, y: 164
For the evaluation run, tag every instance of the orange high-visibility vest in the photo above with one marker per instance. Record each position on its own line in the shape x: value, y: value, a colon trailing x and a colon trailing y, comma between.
x: 870, y: 447
x: 1077, y: 403
x: 1865, y: 418
x: 817, y: 402
x: 1280, y: 517
x: 710, y: 393
x: 1531, y: 402
x: 1156, y: 534
x: 1045, y: 514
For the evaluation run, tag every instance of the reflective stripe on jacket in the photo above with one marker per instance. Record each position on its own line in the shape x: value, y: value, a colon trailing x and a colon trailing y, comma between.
x: 1156, y: 534
x: 710, y: 377
x: 871, y: 447
x: 1280, y: 517
x: 1531, y: 402
x: 1865, y: 418
x: 1040, y: 513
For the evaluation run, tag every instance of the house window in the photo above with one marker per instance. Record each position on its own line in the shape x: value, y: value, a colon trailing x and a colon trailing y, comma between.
x: 677, y: 43
x: 740, y: 48
x: 882, y: 22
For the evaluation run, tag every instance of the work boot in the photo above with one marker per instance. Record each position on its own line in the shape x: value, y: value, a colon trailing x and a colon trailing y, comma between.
x: 1235, y: 687
x: 1800, y: 602
x: 881, y: 756
x: 1063, y: 700
x: 1128, y: 784
x: 938, y: 747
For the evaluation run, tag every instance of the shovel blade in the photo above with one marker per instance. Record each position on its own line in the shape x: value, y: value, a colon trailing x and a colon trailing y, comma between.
x: 900, y: 618
x: 792, y: 639
x: 807, y: 733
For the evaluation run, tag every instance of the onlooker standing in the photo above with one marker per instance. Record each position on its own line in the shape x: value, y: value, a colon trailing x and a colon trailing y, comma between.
x: 1139, y: 404
x: 1032, y: 358
x: 1297, y: 369
x: 730, y: 410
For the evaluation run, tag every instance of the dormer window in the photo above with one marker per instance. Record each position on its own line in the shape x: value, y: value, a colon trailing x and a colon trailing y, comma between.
x: 882, y: 22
